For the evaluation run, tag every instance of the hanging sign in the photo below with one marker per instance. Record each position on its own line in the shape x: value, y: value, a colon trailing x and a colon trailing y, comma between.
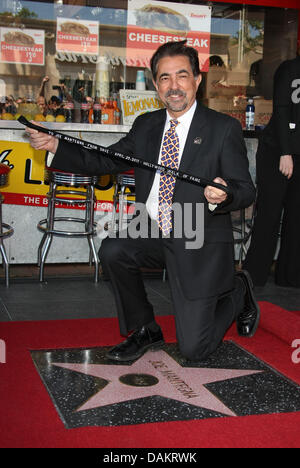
x: 151, y: 24
x: 78, y: 36
x: 26, y: 46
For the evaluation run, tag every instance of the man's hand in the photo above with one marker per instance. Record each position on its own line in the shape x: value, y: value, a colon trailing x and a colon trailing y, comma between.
x: 42, y: 141
x: 214, y: 195
x: 286, y: 165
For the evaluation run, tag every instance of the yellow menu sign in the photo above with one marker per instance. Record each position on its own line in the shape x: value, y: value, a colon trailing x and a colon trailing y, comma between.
x: 26, y: 184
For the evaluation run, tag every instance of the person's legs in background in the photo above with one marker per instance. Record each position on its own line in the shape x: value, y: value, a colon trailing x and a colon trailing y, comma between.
x: 272, y: 186
x: 287, y: 272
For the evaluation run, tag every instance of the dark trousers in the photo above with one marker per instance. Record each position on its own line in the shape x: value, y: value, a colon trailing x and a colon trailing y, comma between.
x: 278, y: 200
x: 200, y: 324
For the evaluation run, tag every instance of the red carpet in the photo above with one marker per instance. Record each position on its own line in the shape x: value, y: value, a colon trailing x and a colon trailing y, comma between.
x: 29, y: 418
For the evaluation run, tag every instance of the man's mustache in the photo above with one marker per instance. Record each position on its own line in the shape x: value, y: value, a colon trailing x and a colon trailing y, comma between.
x: 175, y: 92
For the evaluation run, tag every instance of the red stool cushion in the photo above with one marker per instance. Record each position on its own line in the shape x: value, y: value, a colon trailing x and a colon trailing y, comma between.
x: 4, y: 169
x: 130, y: 172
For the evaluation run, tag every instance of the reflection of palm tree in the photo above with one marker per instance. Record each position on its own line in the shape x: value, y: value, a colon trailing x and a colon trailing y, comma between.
x: 23, y: 13
x: 253, y: 34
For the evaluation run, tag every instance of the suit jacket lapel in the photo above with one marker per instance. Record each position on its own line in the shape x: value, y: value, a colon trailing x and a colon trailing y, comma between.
x: 195, y: 135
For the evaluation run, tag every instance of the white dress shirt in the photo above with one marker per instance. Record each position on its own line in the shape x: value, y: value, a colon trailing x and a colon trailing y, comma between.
x: 182, y: 131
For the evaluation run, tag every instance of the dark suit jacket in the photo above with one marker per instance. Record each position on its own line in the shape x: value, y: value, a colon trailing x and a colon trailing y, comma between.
x: 210, y: 270
x: 286, y: 109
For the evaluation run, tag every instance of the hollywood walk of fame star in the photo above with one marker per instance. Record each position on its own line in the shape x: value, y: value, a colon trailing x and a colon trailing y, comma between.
x: 156, y: 373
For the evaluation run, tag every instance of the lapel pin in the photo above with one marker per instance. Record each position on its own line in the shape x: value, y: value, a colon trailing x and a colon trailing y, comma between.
x: 198, y: 141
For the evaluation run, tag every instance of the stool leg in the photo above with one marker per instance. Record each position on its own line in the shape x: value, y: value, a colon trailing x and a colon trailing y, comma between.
x: 48, y: 236
x: 89, y: 212
x: 2, y: 249
x: 114, y: 208
x: 44, y: 256
x: 40, y: 248
x: 95, y: 256
x: 5, y: 262
x: 121, y: 207
x: 90, y: 217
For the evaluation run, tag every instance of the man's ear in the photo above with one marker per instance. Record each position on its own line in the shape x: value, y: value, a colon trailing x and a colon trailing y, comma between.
x: 198, y: 80
x: 155, y: 84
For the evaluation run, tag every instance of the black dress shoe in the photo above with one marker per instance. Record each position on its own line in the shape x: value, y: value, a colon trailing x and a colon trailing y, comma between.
x: 136, y: 345
x: 248, y: 320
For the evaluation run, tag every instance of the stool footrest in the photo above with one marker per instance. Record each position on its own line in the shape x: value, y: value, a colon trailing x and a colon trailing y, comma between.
x: 9, y: 230
x: 42, y: 226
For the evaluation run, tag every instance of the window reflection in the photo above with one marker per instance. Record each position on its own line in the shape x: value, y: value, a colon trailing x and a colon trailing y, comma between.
x: 246, y: 46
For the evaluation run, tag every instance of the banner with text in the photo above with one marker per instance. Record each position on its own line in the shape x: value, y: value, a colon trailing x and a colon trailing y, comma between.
x: 26, y: 179
x: 151, y: 24
x: 26, y: 46
x: 77, y: 36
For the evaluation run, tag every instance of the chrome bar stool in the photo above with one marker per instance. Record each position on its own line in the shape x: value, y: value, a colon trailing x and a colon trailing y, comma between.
x: 124, y: 180
x: 5, y: 229
x: 57, y: 179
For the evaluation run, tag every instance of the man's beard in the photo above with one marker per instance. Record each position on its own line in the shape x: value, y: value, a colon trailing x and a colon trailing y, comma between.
x: 173, y: 106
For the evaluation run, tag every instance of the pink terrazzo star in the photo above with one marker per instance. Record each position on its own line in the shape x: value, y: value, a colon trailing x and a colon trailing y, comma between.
x: 169, y: 380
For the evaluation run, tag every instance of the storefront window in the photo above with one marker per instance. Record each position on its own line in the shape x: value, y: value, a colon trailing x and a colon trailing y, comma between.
x: 67, y: 60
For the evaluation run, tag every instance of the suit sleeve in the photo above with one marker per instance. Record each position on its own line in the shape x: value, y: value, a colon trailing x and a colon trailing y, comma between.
x: 234, y: 169
x: 74, y: 158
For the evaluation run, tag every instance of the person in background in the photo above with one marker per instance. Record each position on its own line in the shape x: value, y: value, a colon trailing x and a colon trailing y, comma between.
x: 20, y: 100
x: 42, y: 104
x: 278, y: 185
x: 41, y: 100
x: 54, y: 106
x: 43, y: 85
x: 10, y: 105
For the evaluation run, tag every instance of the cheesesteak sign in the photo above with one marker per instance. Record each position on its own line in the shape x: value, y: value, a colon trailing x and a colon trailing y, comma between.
x: 153, y: 24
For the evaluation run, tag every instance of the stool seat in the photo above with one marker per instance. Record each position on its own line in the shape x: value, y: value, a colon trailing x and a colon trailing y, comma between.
x: 126, y: 178
x: 68, y: 178
x: 57, y: 178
